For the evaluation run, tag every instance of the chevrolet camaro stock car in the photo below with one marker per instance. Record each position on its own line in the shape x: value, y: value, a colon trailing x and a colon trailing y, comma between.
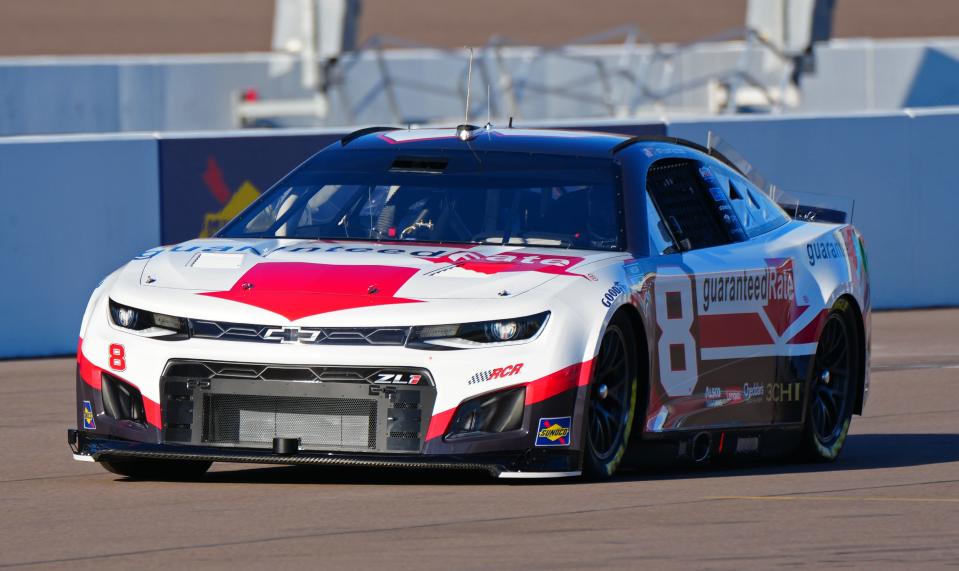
x: 533, y: 303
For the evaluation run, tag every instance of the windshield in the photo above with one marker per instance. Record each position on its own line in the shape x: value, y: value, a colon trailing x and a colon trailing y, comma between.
x: 550, y: 211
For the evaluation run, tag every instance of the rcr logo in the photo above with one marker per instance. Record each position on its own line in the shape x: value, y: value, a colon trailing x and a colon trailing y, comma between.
x: 290, y: 335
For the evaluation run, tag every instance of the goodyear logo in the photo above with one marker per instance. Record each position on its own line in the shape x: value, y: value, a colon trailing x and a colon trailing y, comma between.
x: 553, y: 431
x: 88, y: 422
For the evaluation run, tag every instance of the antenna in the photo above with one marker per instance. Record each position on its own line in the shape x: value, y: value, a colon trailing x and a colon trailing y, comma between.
x: 489, y: 114
x: 469, y: 82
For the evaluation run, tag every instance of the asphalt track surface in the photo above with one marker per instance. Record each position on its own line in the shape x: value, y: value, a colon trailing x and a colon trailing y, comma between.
x: 892, y: 500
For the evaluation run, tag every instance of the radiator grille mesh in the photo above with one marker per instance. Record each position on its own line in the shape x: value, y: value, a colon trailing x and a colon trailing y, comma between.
x: 320, y: 422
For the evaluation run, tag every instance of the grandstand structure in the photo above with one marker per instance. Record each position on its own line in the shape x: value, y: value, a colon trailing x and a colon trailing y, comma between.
x: 338, y: 63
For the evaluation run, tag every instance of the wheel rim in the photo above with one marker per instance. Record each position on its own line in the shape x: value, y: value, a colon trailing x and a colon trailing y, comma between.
x: 609, y: 399
x: 831, y: 380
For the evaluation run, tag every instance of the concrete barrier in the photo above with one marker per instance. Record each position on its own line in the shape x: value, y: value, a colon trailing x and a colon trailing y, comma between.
x: 74, y: 209
x: 899, y: 169
x: 77, y: 207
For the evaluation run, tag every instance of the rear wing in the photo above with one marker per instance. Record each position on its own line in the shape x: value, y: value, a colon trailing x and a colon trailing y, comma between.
x: 808, y: 206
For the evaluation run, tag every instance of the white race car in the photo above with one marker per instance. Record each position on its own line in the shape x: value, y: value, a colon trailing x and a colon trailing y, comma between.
x: 532, y: 303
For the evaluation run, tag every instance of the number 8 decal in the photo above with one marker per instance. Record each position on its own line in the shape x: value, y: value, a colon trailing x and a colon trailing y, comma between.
x: 118, y: 357
x: 678, y: 368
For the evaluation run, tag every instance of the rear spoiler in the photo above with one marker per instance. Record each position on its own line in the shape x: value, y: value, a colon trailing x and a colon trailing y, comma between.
x: 809, y: 206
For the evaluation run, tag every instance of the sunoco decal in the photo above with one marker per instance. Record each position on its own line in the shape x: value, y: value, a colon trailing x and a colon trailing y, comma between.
x: 554, y: 431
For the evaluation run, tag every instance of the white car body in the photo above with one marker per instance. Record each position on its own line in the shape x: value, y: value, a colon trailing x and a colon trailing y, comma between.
x: 732, y: 339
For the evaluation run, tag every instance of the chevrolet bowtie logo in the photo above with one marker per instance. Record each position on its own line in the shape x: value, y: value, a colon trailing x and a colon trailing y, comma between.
x: 290, y: 335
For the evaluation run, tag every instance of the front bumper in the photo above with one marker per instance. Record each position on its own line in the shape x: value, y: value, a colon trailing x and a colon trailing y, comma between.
x: 527, y: 464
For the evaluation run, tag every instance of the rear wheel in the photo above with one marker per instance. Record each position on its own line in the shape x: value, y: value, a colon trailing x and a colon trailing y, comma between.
x: 835, y: 379
x: 157, y: 469
x: 612, y: 401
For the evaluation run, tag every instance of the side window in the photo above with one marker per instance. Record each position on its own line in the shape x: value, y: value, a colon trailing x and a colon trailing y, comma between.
x: 660, y: 241
x: 685, y: 203
x: 756, y: 212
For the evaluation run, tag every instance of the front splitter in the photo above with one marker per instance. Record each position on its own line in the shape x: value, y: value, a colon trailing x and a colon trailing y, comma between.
x: 87, y: 447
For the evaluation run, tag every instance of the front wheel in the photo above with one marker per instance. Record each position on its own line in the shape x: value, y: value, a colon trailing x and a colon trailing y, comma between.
x: 157, y: 469
x: 835, y: 375
x: 612, y: 401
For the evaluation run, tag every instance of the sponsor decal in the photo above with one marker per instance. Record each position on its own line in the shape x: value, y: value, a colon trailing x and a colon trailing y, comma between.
x: 752, y: 392
x: 291, y: 335
x: 511, y: 262
x: 498, y: 373
x: 716, y: 396
x: 88, y: 422
x: 782, y: 392
x: 506, y: 261
x: 398, y: 379
x: 827, y: 249
x: 757, y: 286
x: 616, y: 290
x: 149, y: 253
x: 554, y: 431
x: 634, y: 273
x: 771, y: 289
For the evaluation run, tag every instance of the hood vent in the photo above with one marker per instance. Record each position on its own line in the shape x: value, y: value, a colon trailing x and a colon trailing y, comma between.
x: 217, y: 261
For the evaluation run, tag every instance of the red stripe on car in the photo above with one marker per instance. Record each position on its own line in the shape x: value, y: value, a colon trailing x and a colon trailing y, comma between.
x: 553, y: 384
x: 732, y: 330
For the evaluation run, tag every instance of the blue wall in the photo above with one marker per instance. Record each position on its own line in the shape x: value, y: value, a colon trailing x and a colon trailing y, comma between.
x: 73, y: 211
x: 77, y: 207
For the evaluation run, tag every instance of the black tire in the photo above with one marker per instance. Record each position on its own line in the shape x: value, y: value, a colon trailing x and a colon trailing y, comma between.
x: 157, y: 469
x: 611, y: 406
x: 835, y: 380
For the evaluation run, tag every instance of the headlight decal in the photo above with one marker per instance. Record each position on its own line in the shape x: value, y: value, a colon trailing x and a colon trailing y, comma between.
x: 148, y: 323
x: 479, y: 333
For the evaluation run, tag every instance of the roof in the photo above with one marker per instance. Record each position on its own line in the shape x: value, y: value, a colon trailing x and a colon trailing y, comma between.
x: 548, y: 141
x: 542, y: 141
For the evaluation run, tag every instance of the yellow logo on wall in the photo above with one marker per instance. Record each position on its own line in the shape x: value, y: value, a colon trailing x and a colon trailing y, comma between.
x: 240, y: 199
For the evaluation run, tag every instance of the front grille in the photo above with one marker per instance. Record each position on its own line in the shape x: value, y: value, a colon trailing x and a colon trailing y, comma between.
x: 320, y: 422
x: 335, y: 408
x: 304, y: 373
x: 308, y: 335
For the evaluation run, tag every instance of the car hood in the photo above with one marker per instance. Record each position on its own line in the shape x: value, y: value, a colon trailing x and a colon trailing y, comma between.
x: 285, y: 274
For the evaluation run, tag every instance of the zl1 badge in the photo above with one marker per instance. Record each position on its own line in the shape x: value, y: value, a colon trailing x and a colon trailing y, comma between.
x: 553, y: 431
x: 88, y: 422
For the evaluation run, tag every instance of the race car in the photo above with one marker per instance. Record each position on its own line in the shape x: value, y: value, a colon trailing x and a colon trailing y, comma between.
x: 532, y: 303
